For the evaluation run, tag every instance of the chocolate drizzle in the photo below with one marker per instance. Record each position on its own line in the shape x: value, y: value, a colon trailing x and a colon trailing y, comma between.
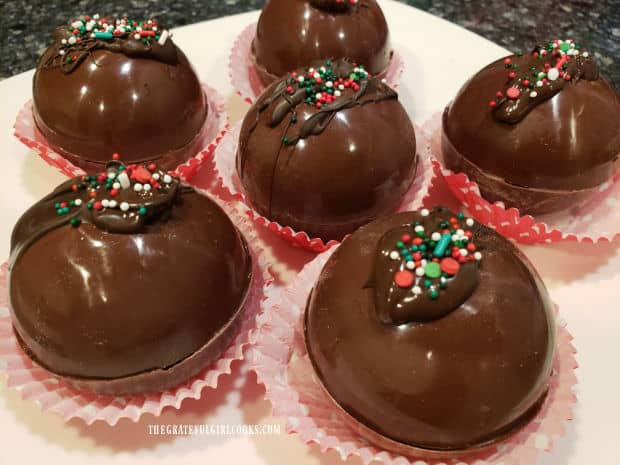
x: 539, y: 76
x: 416, y: 279
x: 284, y: 101
x: 71, y: 48
x: 111, y: 201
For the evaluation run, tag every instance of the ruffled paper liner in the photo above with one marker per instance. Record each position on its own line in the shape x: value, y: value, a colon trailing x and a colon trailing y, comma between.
x: 212, y: 131
x: 597, y: 219
x: 245, y: 78
x: 224, y: 160
x: 278, y: 356
x: 54, y: 395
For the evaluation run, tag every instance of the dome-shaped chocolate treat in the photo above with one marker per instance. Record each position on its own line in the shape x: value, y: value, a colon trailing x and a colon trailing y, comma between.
x: 125, y: 281
x: 292, y: 34
x: 107, y: 85
x: 326, y: 149
x: 432, y: 333
x: 539, y: 131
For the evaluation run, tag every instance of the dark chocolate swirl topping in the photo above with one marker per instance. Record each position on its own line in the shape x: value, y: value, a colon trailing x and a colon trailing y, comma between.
x: 330, y: 87
x: 74, y: 42
x: 537, y: 77
x: 122, y: 199
x: 426, y: 269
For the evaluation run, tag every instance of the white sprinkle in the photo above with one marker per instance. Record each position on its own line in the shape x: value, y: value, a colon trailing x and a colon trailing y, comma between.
x: 533, y: 94
x: 585, y: 54
x: 154, y: 28
x: 146, y: 187
x: 77, y: 202
x: 464, y: 252
x: 163, y: 37
x: 436, y: 236
x: 410, y: 265
x: 419, y: 272
x: 460, y: 232
x: 394, y: 255
x: 477, y: 255
x: 469, y: 222
x: 89, y: 27
x: 424, y: 212
x: 124, y: 181
x: 105, y: 203
x: 63, y: 41
x: 443, y: 279
x: 417, y: 290
x: 137, y: 36
x: 96, y: 16
x: 337, y: 93
x: 300, y: 79
x: 113, y: 204
x: 456, y: 237
x: 111, y: 175
x: 319, y: 95
x: 341, y: 86
x: 124, y: 206
x: 155, y: 176
x: 72, y: 40
x: 539, y: 84
x: 76, y: 24
x: 167, y: 179
x: 116, y: 185
x: 137, y: 187
x: 329, y: 84
x: 553, y: 74
x: 423, y: 262
x: 418, y: 228
x: 62, y: 52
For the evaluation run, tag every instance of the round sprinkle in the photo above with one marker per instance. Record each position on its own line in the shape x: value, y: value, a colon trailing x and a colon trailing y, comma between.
x: 417, y: 290
x: 533, y: 94
x: 432, y: 270
x: 124, y: 206
x: 112, y: 204
x: 553, y: 74
x: 469, y: 222
x: 105, y: 203
x: 419, y: 272
x: 146, y: 187
x: 436, y: 236
x: 394, y: 255
x: 137, y: 187
x: 478, y: 256
x: 167, y: 179
x: 424, y: 212
x: 450, y: 266
x: 404, y: 278
x: 513, y: 93
x: 78, y: 202
x: 410, y: 265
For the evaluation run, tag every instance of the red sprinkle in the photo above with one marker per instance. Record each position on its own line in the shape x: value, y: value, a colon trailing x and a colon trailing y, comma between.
x: 513, y: 93
x: 152, y: 166
x: 404, y: 278
x: 114, y: 192
x: 450, y: 266
x: 471, y: 247
x: 512, y: 75
x: 492, y: 103
x: 97, y: 205
x: 115, y: 156
x: 141, y: 174
x: 405, y: 238
x: 417, y: 241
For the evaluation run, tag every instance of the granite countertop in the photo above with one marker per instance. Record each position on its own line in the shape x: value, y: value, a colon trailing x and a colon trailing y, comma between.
x: 25, y: 26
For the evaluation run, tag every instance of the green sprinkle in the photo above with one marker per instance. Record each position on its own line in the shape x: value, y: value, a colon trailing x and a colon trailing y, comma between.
x: 75, y: 222
x: 142, y: 211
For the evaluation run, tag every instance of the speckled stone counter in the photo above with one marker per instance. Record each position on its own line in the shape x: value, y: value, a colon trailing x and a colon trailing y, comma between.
x: 25, y: 26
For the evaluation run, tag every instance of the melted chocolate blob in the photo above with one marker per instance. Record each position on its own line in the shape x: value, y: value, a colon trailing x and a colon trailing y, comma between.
x: 544, y: 123
x: 455, y: 382
x: 399, y: 291
x: 326, y: 168
x: 113, y: 296
x: 140, y: 98
x: 293, y: 33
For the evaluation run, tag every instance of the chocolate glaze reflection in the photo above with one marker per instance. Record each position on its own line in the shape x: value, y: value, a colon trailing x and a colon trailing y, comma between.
x: 293, y: 33
x: 560, y: 138
x: 92, y: 304
x: 326, y: 170
x: 146, y: 106
x: 457, y: 382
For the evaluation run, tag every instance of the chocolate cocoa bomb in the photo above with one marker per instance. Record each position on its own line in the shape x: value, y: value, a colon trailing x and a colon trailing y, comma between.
x: 294, y: 33
x: 425, y: 340
x: 323, y: 159
x: 113, y: 92
x: 126, y: 293
x: 539, y: 131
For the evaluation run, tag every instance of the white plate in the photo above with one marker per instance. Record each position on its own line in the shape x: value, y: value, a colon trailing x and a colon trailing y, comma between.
x: 583, y: 279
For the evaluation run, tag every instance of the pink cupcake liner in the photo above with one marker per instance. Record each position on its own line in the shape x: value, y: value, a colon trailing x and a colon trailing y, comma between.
x: 54, y: 395
x: 246, y: 81
x: 212, y: 131
x: 598, y: 219
x: 224, y: 160
x: 278, y: 356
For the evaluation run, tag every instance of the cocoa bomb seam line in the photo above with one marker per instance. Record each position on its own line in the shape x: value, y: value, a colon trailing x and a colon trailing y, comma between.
x: 83, y: 207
